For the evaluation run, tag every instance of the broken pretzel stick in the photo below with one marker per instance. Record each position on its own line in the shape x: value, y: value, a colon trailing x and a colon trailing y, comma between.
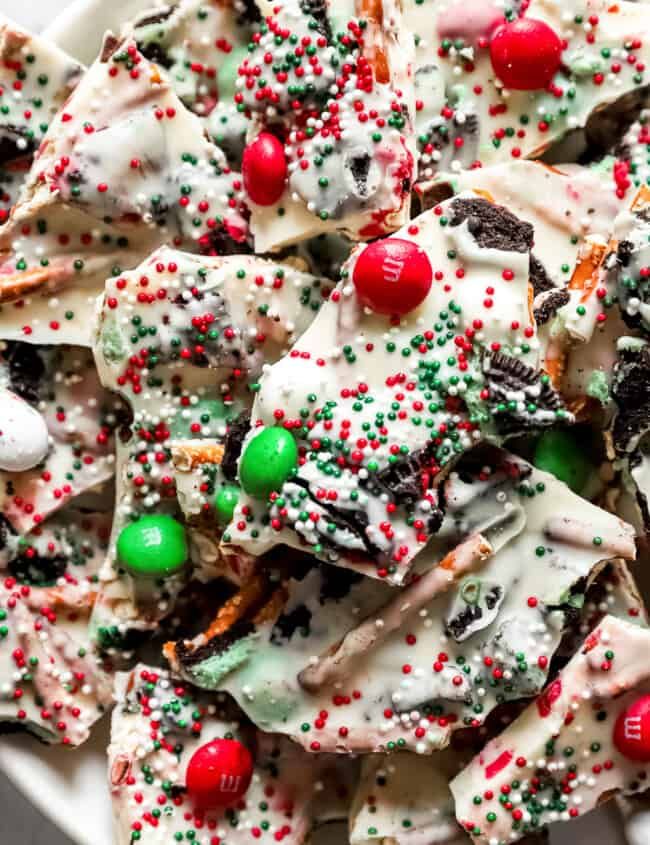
x: 187, y: 455
x: 576, y: 533
x: 336, y: 665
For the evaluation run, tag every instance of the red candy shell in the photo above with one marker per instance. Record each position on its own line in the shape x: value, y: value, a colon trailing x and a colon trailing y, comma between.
x: 392, y: 276
x: 525, y: 54
x: 264, y: 169
x: 219, y: 773
x: 632, y: 731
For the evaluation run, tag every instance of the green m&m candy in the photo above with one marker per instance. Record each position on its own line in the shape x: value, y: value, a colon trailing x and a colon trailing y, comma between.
x: 225, y: 503
x: 560, y: 453
x: 267, y: 462
x: 152, y: 547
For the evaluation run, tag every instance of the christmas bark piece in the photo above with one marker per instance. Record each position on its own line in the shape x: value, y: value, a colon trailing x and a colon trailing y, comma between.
x: 583, y: 740
x: 427, y: 347
x: 123, y: 168
x: 57, y: 427
x: 201, y: 45
x: 184, y: 340
x: 565, y: 205
x: 403, y: 799
x: 182, y: 763
x: 331, y: 147
x: 50, y: 682
x: 405, y: 668
x: 502, y: 88
x: 36, y: 77
x: 572, y: 211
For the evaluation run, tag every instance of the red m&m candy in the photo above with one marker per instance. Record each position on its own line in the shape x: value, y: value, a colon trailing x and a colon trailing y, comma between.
x: 219, y: 773
x: 264, y: 169
x: 525, y: 54
x: 392, y: 276
x: 632, y: 731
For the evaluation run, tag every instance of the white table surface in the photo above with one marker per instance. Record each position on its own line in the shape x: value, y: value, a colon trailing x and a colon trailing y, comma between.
x: 20, y: 823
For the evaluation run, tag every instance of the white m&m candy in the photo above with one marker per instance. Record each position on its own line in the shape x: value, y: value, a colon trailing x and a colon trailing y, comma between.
x: 24, y: 440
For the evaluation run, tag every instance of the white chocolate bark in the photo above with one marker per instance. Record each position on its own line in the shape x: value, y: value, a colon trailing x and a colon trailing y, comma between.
x: 123, y: 168
x: 50, y: 681
x: 207, y: 326
x: 36, y: 77
x: 561, y: 746
x: 388, y: 387
x: 487, y: 640
x: 289, y: 794
x: 346, y: 173
x: 80, y: 420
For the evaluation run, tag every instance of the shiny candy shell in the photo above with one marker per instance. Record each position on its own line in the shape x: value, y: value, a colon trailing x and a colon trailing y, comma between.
x: 24, y: 439
x: 267, y: 461
x: 632, y: 731
x: 219, y: 773
x: 560, y: 453
x: 525, y: 54
x: 225, y: 502
x: 152, y: 547
x: 264, y: 169
x: 392, y: 276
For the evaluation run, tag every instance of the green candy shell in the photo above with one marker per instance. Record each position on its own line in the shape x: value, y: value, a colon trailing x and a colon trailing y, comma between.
x: 560, y: 453
x: 153, y: 547
x: 267, y: 462
x: 225, y: 502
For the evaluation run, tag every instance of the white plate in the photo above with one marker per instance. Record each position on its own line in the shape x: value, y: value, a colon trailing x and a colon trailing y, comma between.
x: 70, y: 787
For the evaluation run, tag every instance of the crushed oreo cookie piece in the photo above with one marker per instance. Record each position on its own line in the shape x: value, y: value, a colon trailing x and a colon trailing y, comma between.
x: 539, y: 278
x: 249, y: 12
x: 297, y: 620
x: 37, y: 571
x: 317, y: 9
x: 359, y: 165
x: 157, y: 16
x: 403, y: 479
x: 237, y: 431
x: 492, y: 226
x: 550, y: 304
x: 336, y: 582
x: 26, y: 370
x: 520, y: 398
x: 156, y: 53
x: 188, y: 655
x: 632, y: 282
x: 631, y: 392
x: 15, y: 143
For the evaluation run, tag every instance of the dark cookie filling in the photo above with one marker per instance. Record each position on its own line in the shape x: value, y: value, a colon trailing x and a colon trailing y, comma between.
x: 155, y: 53
x: 632, y: 282
x: 26, y: 370
x: 38, y: 571
x: 492, y: 226
x: 189, y: 656
x: 237, y: 431
x: 539, y: 278
x: 550, y: 305
x: 506, y: 376
x: 631, y: 392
